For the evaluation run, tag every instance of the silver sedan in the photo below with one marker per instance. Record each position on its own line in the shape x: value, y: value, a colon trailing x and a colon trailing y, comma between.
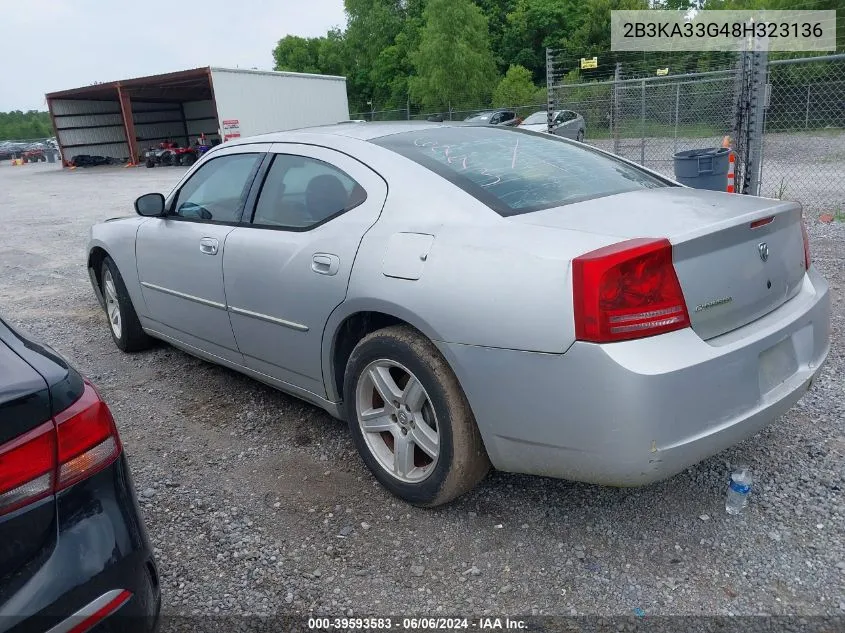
x: 564, y: 123
x: 471, y: 296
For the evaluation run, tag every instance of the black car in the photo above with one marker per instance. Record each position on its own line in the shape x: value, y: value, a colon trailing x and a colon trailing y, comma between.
x: 74, y: 552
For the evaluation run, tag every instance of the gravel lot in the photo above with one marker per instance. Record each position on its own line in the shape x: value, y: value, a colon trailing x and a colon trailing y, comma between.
x: 257, y: 503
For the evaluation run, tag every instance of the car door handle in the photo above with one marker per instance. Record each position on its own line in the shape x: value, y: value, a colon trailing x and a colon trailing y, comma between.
x: 209, y: 246
x: 325, y: 263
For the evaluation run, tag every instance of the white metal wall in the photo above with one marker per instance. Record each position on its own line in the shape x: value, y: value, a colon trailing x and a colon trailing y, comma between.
x: 265, y: 101
x: 156, y: 122
x: 201, y: 117
x: 96, y: 128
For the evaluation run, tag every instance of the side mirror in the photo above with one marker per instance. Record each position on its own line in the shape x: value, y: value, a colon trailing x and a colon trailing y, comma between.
x: 150, y: 205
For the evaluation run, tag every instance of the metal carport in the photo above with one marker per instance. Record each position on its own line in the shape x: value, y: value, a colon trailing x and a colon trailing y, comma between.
x: 118, y: 119
x: 122, y: 119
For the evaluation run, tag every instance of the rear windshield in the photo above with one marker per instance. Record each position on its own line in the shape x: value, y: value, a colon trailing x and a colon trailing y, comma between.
x: 513, y: 171
x: 483, y: 116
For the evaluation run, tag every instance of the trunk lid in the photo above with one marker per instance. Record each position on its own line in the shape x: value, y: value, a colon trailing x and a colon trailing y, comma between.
x: 737, y: 257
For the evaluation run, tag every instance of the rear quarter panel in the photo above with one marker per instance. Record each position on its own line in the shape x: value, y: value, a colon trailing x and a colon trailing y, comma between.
x: 485, y: 280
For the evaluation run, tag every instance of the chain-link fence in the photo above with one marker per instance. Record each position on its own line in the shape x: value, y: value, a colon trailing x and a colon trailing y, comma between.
x: 796, y: 152
x: 803, y: 154
x: 418, y: 114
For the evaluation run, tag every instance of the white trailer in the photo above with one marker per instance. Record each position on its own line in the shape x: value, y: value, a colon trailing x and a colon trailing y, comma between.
x: 122, y: 119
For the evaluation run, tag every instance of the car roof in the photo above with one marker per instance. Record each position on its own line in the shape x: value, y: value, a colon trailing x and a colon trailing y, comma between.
x: 362, y: 131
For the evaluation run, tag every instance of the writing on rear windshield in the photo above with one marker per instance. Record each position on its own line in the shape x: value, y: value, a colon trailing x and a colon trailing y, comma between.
x: 515, y: 172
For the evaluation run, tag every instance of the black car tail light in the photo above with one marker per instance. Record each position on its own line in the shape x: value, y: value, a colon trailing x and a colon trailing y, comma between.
x: 27, y: 468
x: 78, y: 442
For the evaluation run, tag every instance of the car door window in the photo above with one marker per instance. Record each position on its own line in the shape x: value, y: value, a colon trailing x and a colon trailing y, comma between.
x: 299, y: 193
x: 216, y: 191
x: 507, y: 116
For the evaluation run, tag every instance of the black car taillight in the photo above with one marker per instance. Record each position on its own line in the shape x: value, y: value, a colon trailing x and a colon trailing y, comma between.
x: 78, y: 442
x: 27, y: 468
x: 88, y: 440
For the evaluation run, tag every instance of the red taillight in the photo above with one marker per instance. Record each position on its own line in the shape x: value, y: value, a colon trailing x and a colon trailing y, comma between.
x: 78, y: 442
x: 806, y: 245
x: 88, y: 440
x: 27, y: 468
x: 627, y: 290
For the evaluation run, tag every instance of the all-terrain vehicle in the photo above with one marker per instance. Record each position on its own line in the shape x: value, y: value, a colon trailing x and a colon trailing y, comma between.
x: 33, y: 154
x: 163, y: 155
x: 187, y: 156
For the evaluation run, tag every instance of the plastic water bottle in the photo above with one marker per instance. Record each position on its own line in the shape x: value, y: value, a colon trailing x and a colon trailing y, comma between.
x: 738, y: 491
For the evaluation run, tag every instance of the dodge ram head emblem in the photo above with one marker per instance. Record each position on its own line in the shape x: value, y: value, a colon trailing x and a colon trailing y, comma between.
x: 763, y: 249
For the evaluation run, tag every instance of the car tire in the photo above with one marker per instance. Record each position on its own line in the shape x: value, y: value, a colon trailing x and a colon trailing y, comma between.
x: 124, y: 325
x: 461, y: 461
x: 150, y: 163
x: 188, y: 160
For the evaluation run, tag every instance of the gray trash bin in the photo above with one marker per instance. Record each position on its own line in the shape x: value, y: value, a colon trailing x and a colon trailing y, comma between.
x: 703, y: 168
x: 51, y: 156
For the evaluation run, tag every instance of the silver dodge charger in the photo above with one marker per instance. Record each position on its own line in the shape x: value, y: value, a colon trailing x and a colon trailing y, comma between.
x: 472, y: 296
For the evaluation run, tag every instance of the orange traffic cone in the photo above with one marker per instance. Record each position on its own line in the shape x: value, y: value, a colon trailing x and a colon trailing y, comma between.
x: 726, y: 143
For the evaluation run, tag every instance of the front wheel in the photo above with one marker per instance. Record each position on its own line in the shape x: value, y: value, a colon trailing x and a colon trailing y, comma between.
x: 124, y: 324
x: 410, y: 419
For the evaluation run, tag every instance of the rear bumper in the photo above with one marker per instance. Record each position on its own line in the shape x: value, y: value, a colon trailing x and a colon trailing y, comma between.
x: 101, y: 547
x: 635, y: 412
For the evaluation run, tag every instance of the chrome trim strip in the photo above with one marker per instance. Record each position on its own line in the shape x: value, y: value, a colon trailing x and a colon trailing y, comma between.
x: 271, y: 319
x: 182, y: 295
x: 88, y: 610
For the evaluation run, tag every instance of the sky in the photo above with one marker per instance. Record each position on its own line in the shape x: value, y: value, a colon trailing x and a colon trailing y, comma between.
x: 51, y: 45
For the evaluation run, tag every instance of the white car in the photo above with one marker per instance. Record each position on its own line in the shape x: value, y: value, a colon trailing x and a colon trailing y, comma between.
x: 565, y: 123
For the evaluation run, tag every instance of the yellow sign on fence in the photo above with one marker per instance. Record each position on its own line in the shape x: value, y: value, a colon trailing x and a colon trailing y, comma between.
x: 592, y: 62
x: 662, y: 71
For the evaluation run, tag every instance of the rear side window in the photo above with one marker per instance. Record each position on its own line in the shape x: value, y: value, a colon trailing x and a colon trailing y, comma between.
x: 515, y: 172
x: 300, y: 192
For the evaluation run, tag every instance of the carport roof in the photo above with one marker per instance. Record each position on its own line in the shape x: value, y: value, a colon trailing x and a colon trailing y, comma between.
x: 185, y: 85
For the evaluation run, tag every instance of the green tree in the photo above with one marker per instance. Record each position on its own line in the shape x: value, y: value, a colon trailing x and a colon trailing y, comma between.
x: 496, y: 12
x: 30, y: 125
x: 577, y: 29
x: 371, y: 32
x: 331, y: 56
x: 515, y: 88
x: 530, y: 28
x: 454, y: 64
x: 298, y: 54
